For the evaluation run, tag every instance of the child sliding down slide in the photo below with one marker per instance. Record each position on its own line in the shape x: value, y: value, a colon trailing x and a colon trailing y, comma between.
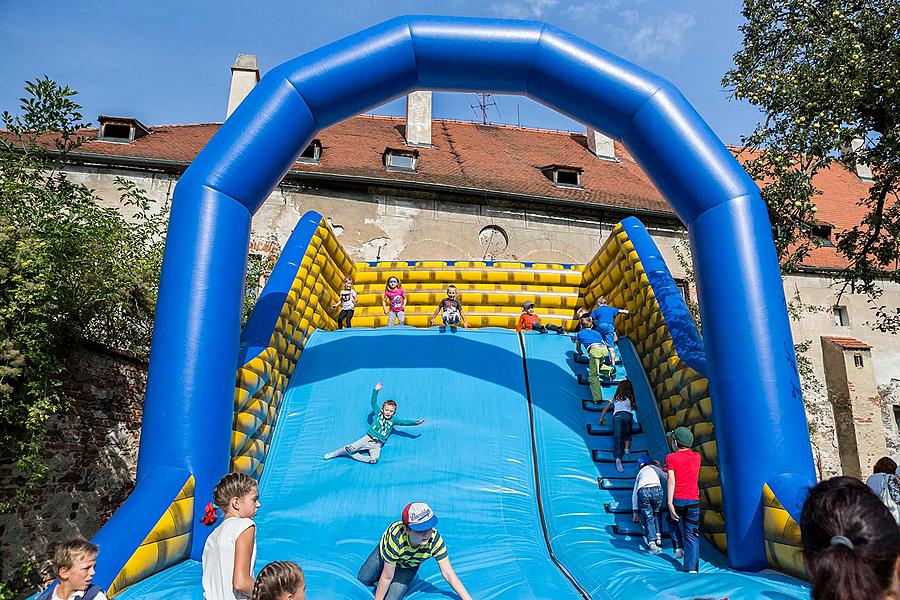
x: 383, y: 424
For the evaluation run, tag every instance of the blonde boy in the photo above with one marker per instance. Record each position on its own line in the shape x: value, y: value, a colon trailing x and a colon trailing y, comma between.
x: 74, y: 564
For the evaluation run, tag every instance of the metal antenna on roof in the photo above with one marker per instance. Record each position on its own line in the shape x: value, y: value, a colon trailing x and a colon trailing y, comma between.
x: 482, y: 102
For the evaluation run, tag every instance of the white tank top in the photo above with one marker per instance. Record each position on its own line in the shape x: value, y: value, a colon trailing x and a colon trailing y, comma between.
x: 218, y: 559
x: 623, y: 405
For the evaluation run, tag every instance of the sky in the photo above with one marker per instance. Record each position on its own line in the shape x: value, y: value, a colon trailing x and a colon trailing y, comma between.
x: 168, y: 62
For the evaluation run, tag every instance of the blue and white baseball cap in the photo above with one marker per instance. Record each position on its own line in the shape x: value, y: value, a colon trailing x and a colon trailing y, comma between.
x: 418, y: 516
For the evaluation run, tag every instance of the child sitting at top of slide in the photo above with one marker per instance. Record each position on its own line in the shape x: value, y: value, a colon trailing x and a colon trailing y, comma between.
x: 450, y: 309
x: 383, y: 424
x: 531, y: 322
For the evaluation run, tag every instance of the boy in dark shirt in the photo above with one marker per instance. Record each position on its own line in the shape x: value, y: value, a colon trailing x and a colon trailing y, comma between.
x: 683, y: 494
x: 450, y: 309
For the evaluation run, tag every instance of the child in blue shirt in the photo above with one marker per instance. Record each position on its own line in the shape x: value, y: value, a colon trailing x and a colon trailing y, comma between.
x: 603, y: 319
x: 597, y: 352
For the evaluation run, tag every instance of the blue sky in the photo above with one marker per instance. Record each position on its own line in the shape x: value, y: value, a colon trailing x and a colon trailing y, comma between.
x: 168, y: 62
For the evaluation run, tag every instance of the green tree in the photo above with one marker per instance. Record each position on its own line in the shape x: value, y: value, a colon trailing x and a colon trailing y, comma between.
x: 825, y: 73
x: 70, y: 270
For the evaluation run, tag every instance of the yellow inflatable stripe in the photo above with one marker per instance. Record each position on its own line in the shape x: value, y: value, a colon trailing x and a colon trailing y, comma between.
x: 174, y: 522
x: 150, y: 559
x: 167, y: 543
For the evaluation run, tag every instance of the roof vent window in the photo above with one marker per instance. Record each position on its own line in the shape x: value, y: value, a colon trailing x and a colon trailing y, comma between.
x: 312, y: 154
x: 563, y: 176
x: 821, y: 233
x: 120, y: 130
x: 115, y: 131
x: 404, y: 161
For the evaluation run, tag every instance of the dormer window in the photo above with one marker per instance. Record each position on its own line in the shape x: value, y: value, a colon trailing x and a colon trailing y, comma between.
x: 821, y: 234
x: 312, y: 154
x: 563, y: 176
x: 404, y: 161
x: 120, y: 130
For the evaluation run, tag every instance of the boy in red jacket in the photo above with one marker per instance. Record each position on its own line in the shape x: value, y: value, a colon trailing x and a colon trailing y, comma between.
x: 531, y: 322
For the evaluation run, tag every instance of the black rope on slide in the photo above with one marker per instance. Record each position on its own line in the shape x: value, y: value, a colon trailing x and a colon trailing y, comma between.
x: 537, y: 480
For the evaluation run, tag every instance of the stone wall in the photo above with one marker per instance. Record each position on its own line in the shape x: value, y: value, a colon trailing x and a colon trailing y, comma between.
x: 92, y: 455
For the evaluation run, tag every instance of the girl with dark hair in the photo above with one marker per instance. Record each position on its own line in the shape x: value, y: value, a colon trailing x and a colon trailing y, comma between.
x: 883, y: 468
x: 851, y: 543
x: 622, y: 405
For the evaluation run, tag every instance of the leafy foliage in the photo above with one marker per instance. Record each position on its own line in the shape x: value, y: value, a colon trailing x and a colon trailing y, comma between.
x: 825, y: 74
x: 70, y: 269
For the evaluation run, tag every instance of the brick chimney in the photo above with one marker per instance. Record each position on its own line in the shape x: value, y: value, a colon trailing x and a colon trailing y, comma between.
x: 244, y: 75
x: 600, y: 145
x: 418, y: 119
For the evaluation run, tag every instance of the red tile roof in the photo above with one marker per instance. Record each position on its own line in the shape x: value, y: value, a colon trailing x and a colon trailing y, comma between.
x: 848, y: 343
x: 489, y: 159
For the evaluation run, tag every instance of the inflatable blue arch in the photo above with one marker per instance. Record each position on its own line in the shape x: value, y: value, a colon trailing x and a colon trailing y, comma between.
x: 749, y: 352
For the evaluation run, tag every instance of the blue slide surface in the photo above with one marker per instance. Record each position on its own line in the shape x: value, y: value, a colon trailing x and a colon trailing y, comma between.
x: 606, y: 564
x: 473, y: 460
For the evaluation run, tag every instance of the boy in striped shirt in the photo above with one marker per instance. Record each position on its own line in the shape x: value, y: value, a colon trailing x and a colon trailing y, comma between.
x: 404, y: 546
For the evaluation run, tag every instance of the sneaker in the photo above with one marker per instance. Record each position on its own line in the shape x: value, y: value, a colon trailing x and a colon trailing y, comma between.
x: 679, y: 553
x: 654, y: 548
x: 328, y: 456
x: 619, y: 466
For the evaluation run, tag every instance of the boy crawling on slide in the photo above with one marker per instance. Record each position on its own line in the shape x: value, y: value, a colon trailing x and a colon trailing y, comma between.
x: 383, y: 424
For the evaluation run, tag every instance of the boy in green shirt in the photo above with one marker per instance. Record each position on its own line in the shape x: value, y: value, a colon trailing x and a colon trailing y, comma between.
x: 383, y: 424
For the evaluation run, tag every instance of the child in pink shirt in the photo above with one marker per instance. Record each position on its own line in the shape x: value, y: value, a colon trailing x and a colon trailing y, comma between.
x: 394, y: 301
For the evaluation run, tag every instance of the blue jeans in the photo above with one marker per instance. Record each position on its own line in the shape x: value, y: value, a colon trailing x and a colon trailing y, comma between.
x: 649, y: 505
x: 685, y: 532
x: 370, y: 573
x: 621, y: 432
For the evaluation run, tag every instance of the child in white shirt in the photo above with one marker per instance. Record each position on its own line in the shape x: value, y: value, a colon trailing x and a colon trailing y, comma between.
x: 230, y: 550
x: 647, y: 500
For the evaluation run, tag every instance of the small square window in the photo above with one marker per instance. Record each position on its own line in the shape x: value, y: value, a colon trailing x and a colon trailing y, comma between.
x: 822, y: 234
x: 115, y: 132
x: 312, y: 154
x: 563, y: 176
x: 897, y: 416
x: 858, y: 361
x: 567, y: 177
x: 401, y: 160
x: 841, y: 318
